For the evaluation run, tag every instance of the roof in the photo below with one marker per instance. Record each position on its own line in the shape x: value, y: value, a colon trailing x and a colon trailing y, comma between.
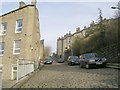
x: 16, y: 10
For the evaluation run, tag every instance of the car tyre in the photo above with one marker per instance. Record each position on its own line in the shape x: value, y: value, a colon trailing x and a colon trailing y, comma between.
x: 70, y: 63
x: 104, y: 65
x: 80, y: 65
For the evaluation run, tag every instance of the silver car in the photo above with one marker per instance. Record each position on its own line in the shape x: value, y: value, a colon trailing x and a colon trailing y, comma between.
x: 89, y: 60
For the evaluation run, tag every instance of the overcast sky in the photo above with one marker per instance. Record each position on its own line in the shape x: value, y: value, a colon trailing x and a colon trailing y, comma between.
x: 58, y: 18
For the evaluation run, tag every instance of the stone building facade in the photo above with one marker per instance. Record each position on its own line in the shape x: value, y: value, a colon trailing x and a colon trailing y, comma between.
x: 60, y: 46
x: 41, y: 49
x: 19, y: 36
x: 65, y: 43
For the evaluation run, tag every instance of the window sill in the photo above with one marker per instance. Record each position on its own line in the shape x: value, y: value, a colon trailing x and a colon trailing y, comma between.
x: 1, y: 55
x: 18, y: 32
x: 16, y: 53
x: 2, y: 34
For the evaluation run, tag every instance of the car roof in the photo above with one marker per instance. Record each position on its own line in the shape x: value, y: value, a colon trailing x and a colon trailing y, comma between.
x: 73, y: 56
x: 89, y: 53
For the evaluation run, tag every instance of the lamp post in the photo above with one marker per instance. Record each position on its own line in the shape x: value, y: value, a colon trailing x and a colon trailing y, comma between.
x: 117, y: 7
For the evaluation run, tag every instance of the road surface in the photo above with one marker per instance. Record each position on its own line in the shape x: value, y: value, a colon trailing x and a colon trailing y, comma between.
x: 60, y: 75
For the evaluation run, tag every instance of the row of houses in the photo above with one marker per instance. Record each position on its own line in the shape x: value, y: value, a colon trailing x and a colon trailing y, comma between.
x: 65, y: 42
x: 20, y: 37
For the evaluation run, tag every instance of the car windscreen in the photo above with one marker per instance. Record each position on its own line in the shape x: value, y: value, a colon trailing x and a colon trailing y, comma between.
x: 92, y: 55
x: 48, y: 60
x: 60, y: 59
x: 74, y: 58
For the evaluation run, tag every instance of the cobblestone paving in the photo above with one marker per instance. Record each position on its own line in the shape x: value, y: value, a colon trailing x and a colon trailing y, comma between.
x: 60, y: 75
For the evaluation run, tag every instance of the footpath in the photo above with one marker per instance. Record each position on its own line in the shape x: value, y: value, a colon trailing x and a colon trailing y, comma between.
x: 114, y: 65
x: 18, y: 83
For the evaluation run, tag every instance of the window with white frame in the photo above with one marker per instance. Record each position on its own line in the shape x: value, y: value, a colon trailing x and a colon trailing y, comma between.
x: 16, y: 49
x: 19, y: 24
x: 1, y: 48
x: 3, y: 28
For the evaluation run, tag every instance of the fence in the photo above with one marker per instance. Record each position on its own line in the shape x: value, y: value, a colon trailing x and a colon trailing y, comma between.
x: 0, y: 77
x: 36, y: 65
x: 22, y: 68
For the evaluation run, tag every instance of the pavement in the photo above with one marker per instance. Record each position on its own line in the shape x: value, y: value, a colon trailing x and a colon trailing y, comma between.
x: 113, y: 65
x: 16, y: 84
x: 7, y: 83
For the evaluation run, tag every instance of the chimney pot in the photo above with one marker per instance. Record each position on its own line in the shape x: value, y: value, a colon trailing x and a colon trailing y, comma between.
x: 33, y: 2
x: 21, y: 4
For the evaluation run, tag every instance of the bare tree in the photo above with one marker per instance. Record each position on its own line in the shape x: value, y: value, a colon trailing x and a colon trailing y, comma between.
x: 47, y: 51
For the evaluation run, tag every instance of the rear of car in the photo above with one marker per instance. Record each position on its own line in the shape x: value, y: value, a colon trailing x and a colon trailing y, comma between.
x: 60, y: 60
x: 48, y: 61
x: 73, y: 60
x: 89, y: 60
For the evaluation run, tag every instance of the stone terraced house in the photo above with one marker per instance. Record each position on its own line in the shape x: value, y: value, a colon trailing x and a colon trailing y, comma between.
x: 19, y: 37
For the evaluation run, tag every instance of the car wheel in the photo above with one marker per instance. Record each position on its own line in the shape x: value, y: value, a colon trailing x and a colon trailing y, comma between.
x: 87, y: 66
x: 104, y: 65
x: 70, y: 64
x: 80, y: 65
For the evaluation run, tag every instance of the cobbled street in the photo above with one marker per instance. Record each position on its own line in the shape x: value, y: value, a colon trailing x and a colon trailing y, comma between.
x: 60, y: 75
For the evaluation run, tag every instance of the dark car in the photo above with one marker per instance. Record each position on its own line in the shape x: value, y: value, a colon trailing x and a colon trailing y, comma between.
x: 60, y: 60
x: 73, y: 60
x: 89, y: 60
x: 48, y: 61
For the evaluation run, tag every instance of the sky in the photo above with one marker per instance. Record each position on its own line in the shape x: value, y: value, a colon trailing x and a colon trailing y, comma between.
x: 58, y: 17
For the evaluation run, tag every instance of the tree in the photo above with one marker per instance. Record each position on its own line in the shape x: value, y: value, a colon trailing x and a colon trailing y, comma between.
x: 76, y: 46
x: 67, y: 53
x: 47, y: 51
x: 101, y: 28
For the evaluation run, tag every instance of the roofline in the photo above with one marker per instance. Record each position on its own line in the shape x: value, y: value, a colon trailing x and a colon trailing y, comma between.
x: 16, y: 10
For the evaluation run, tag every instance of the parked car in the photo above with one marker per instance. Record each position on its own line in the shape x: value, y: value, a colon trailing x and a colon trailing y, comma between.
x: 73, y: 60
x: 48, y: 61
x: 91, y: 59
x: 60, y: 60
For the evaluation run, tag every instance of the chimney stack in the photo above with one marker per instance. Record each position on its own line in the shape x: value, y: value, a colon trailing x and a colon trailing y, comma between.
x: 78, y: 29
x: 21, y: 4
x: 33, y: 2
